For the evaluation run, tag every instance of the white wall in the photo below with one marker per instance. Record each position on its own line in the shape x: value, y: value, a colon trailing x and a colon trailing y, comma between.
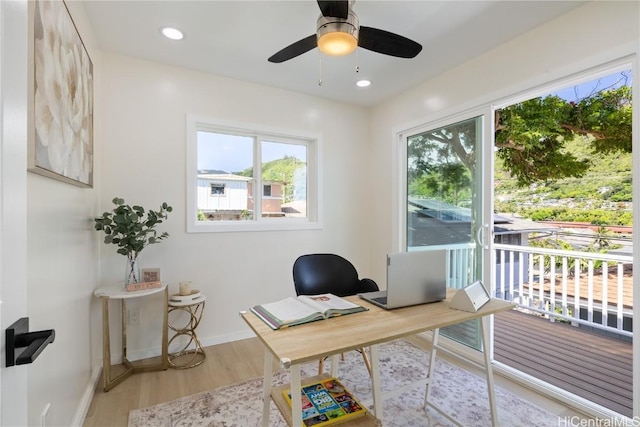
x: 143, y: 161
x: 62, y: 272
x: 586, y: 37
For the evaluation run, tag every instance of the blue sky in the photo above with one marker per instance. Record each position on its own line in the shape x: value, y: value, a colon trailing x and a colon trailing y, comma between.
x: 576, y: 93
x: 233, y: 153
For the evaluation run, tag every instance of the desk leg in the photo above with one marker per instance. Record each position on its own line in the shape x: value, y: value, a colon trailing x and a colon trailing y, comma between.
x: 375, y: 382
x: 334, y: 365
x: 296, y: 398
x: 266, y: 387
x: 484, y: 330
x: 432, y: 366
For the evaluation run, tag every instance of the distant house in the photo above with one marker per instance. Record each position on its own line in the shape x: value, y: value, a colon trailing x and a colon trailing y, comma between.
x: 271, y: 198
x: 434, y: 222
x: 226, y: 196
x: 438, y: 223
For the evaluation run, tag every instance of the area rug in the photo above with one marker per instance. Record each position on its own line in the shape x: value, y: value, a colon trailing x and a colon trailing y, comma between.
x: 461, y: 394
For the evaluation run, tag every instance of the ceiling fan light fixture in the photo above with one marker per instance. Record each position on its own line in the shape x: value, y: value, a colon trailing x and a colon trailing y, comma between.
x: 336, y: 36
x: 337, y: 44
x: 338, y: 32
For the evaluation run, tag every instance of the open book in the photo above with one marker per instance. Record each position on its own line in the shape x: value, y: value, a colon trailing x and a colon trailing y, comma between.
x: 304, y: 309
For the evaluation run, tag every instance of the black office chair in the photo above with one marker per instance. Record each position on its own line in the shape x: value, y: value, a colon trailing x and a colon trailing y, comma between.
x: 315, y: 274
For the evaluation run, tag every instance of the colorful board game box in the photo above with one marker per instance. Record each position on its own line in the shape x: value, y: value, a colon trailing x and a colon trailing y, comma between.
x: 326, y: 403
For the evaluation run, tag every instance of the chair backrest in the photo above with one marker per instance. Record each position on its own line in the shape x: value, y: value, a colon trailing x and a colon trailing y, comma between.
x: 328, y: 273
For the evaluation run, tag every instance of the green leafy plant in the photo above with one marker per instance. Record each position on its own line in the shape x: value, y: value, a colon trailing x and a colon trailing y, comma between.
x: 132, y: 228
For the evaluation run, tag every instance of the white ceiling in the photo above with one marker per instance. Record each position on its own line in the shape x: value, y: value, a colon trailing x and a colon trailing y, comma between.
x: 235, y: 38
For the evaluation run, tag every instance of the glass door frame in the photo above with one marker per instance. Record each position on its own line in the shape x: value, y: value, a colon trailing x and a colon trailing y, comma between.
x: 484, y: 177
x: 482, y: 229
x: 399, y: 164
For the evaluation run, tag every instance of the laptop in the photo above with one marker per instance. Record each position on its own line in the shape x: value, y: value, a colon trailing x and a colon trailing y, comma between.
x: 413, y: 278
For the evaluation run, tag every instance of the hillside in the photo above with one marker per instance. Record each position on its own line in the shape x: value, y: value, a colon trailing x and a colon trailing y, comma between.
x: 603, y: 196
x: 280, y: 170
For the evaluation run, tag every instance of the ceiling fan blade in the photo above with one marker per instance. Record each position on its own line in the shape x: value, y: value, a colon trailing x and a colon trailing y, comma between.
x: 295, y: 49
x: 334, y: 9
x: 387, y: 43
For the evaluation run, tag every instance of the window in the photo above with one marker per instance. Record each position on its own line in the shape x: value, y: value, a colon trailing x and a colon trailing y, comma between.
x: 244, y: 177
x: 217, y: 189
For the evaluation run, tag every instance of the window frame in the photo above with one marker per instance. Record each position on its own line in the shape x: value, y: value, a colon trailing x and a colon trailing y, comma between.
x: 259, y: 133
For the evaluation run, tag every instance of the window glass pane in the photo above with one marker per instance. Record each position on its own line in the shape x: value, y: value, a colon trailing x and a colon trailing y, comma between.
x: 440, y: 181
x: 284, y: 178
x: 442, y: 205
x: 225, y: 174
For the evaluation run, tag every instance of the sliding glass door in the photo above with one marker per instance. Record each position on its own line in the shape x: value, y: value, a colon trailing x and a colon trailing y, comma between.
x: 444, y: 203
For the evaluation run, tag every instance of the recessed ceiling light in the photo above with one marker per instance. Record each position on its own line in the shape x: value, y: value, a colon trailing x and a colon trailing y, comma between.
x: 363, y: 83
x: 172, y: 33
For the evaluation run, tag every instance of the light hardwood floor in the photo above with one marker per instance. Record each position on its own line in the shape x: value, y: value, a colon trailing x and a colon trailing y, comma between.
x: 225, y: 364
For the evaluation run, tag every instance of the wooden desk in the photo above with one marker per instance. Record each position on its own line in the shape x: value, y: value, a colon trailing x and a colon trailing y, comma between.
x: 107, y: 293
x: 304, y: 343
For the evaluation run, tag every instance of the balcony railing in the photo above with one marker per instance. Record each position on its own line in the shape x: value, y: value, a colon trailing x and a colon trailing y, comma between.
x: 593, y: 291
x: 581, y: 288
x: 578, y: 287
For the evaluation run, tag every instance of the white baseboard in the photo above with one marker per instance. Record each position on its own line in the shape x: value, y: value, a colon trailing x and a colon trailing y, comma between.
x: 87, y: 397
x: 221, y: 339
x: 206, y: 341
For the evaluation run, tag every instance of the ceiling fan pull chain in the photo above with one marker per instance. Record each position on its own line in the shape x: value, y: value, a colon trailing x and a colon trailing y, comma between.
x: 357, y: 63
x: 320, y: 69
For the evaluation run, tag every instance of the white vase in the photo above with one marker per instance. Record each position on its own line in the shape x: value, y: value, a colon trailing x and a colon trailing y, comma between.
x: 132, y: 271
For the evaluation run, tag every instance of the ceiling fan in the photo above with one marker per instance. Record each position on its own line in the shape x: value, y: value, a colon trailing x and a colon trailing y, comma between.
x: 339, y: 33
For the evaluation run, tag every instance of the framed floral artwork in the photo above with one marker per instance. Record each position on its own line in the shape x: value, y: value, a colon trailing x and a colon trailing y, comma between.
x: 61, y: 96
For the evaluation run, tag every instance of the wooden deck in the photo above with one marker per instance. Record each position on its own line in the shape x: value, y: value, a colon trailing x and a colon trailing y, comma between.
x: 595, y: 367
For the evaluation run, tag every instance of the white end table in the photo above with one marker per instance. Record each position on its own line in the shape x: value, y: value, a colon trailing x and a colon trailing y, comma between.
x: 115, y: 292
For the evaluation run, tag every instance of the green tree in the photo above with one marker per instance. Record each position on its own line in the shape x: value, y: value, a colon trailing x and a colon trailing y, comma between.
x: 531, y: 135
x: 600, y: 239
x: 441, y: 161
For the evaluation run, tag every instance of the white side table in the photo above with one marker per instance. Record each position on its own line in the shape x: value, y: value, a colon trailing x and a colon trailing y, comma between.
x: 189, y: 354
x: 115, y: 292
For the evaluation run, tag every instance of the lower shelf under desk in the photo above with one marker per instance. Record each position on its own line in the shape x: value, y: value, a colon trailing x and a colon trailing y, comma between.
x: 367, y: 420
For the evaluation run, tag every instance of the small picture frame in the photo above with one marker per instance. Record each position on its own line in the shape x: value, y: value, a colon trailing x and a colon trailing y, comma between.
x: 150, y: 274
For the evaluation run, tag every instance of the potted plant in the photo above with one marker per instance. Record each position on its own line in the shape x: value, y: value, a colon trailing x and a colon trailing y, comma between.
x: 129, y: 228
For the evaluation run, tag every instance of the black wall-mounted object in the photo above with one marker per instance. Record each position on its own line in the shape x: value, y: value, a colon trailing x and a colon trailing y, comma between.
x: 18, y: 336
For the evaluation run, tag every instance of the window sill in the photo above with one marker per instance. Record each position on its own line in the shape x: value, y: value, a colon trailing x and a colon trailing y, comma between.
x: 251, y: 226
